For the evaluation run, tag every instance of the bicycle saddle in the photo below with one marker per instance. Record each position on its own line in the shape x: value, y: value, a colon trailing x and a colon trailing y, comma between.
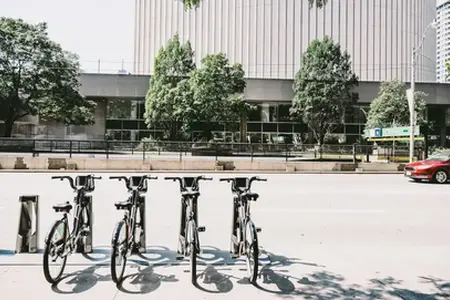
x: 250, y: 196
x: 190, y: 194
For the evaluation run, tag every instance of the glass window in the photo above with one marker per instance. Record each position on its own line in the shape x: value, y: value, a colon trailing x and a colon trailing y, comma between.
x: 118, y: 109
x: 284, y: 112
x: 255, y: 114
x: 256, y: 127
x: 269, y: 112
x: 141, y: 110
x: 113, y: 124
x: 447, y: 116
x: 270, y: 127
x: 130, y: 124
x: 285, y: 127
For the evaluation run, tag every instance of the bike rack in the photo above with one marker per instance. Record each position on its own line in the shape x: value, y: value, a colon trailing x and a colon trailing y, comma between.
x: 28, y: 229
x: 88, y: 245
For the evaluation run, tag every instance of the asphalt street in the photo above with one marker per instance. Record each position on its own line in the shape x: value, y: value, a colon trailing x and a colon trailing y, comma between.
x: 323, y: 237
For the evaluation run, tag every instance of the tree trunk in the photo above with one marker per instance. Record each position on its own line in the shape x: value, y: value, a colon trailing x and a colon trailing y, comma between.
x: 8, y: 127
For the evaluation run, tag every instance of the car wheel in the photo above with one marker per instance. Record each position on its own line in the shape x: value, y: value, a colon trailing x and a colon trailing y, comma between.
x: 440, y: 176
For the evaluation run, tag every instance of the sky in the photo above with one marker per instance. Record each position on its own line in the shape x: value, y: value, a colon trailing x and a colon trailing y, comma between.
x: 93, y: 29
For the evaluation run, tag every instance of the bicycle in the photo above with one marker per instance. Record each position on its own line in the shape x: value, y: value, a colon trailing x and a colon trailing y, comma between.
x: 131, y: 227
x: 69, y: 241
x: 244, y: 238
x: 188, y: 241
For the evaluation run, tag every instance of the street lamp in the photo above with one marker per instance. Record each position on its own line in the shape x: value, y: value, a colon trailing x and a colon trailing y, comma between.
x: 411, y: 102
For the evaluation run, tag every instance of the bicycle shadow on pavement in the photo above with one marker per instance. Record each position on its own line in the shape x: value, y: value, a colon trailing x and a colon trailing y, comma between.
x: 143, y: 281
x: 157, y: 256
x: 81, y: 281
x: 211, y: 255
x: 214, y: 281
x: 272, y: 273
x: 99, y: 254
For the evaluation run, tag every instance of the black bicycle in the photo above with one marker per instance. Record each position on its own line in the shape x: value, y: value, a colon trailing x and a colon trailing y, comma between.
x: 244, y: 238
x: 60, y: 241
x: 128, y: 232
x: 188, y: 242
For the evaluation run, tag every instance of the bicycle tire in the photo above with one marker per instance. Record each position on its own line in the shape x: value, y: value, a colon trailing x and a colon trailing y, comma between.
x: 193, y: 248
x: 46, y: 266
x: 251, y: 251
x: 118, y: 276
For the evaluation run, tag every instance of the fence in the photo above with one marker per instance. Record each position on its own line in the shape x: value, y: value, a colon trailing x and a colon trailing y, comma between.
x: 187, y: 150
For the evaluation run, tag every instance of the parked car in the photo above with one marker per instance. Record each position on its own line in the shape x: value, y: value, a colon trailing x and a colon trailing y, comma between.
x: 436, y: 168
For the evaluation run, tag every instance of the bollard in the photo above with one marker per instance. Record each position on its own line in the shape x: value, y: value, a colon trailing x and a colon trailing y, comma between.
x: 27, y: 235
x: 86, y: 247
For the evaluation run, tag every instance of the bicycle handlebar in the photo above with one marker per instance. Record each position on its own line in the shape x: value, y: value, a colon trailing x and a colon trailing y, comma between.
x: 128, y: 180
x: 71, y: 181
x: 250, y: 180
x: 180, y: 180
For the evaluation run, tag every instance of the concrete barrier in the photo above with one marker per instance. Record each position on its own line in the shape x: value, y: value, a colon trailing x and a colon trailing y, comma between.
x: 87, y: 163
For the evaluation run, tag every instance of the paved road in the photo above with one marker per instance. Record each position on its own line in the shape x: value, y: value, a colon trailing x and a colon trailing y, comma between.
x: 324, y: 237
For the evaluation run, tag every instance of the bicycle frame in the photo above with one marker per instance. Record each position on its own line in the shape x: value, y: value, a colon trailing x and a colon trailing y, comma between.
x: 75, y: 234
x: 130, y: 217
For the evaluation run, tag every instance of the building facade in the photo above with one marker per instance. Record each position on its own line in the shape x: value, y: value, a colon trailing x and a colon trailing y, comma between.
x: 269, y: 36
x: 443, y: 40
x: 121, y: 106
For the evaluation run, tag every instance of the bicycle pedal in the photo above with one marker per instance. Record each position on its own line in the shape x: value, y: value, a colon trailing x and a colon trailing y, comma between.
x: 201, y: 229
x: 258, y: 229
x: 179, y: 257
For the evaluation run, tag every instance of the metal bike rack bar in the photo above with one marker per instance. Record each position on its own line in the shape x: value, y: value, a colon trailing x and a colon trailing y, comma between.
x: 27, y: 233
x: 88, y: 245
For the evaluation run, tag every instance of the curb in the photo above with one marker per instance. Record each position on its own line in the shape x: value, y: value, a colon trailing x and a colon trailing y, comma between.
x: 5, y: 171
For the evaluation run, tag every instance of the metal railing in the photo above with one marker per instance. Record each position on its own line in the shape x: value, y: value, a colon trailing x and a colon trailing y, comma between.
x: 191, y: 150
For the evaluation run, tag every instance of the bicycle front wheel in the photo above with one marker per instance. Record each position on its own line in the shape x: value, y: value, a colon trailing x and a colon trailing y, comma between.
x: 251, y: 251
x: 119, y: 251
x: 54, y: 253
x: 194, y: 247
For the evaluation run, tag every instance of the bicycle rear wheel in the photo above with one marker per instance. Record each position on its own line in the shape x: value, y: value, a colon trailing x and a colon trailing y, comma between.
x: 119, y: 251
x: 55, y: 246
x: 251, y: 251
x: 194, y: 247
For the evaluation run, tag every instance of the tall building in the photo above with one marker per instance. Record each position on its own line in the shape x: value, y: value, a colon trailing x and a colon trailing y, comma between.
x: 269, y: 36
x: 443, y: 40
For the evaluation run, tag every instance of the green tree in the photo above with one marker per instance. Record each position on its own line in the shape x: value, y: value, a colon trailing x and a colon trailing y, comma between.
x: 168, y: 96
x: 217, y: 93
x: 323, y: 88
x: 391, y: 107
x: 38, y: 77
x: 192, y: 4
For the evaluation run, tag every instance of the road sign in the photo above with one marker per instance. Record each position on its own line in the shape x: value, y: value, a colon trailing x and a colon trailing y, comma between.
x: 410, y: 97
x: 390, y: 132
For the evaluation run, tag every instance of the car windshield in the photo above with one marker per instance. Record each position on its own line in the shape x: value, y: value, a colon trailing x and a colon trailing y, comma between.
x: 439, y: 156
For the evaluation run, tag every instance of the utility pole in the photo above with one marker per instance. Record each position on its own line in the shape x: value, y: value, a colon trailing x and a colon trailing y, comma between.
x: 412, y: 121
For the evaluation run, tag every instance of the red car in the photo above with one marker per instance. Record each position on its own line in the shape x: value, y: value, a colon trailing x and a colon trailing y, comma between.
x: 436, y: 168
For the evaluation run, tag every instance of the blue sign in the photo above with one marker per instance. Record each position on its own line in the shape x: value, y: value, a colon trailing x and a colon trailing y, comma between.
x: 377, y: 132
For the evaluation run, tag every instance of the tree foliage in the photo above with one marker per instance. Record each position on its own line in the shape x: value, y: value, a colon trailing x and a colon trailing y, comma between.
x: 324, y: 87
x: 217, y: 89
x: 391, y: 106
x: 167, y: 101
x: 193, y: 4
x: 38, y: 77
